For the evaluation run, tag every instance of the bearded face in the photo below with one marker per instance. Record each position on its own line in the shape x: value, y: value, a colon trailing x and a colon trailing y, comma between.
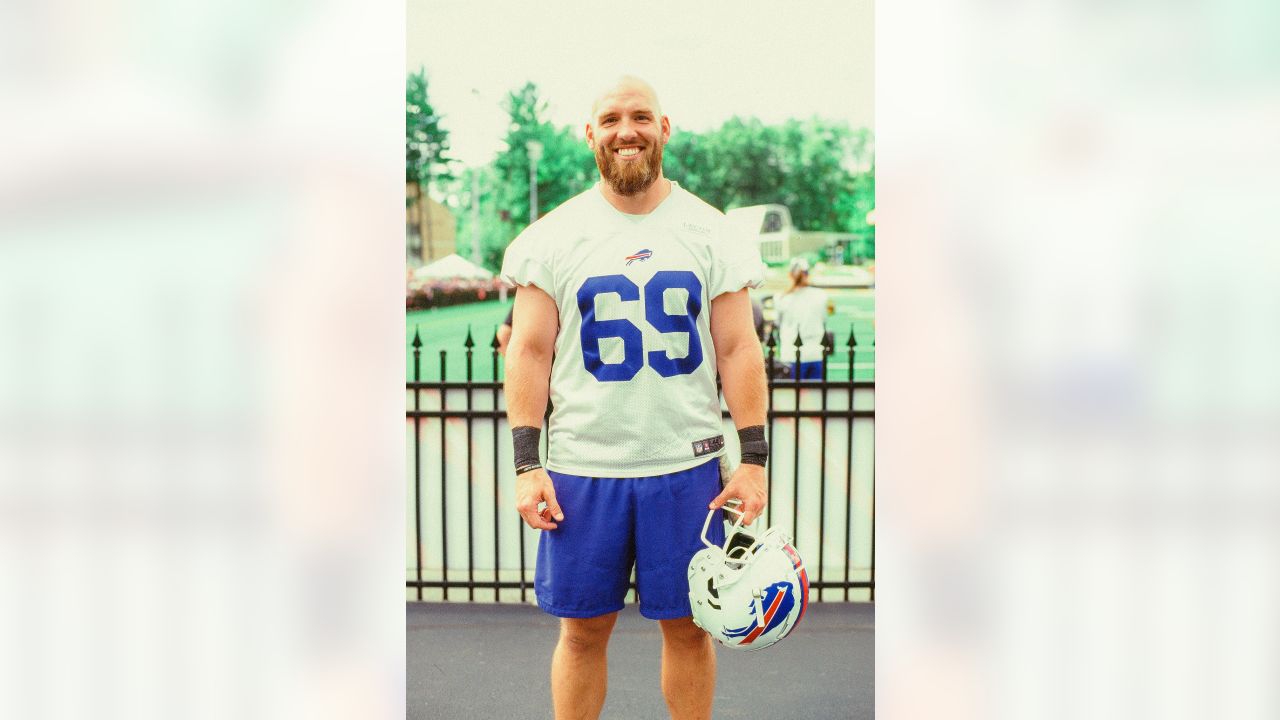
x: 629, y: 174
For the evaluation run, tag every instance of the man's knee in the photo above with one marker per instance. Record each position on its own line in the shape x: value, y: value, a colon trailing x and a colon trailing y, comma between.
x: 682, y: 632
x: 587, y: 635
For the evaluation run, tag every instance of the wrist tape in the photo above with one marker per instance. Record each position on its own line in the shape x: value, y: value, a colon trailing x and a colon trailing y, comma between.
x: 755, y: 449
x: 525, y: 440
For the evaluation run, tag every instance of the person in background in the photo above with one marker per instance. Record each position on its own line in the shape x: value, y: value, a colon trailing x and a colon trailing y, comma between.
x: 504, y: 332
x: 802, y: 312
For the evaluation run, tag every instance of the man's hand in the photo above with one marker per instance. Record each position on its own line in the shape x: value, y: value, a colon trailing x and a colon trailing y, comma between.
x: 748, y: 485
x: 532, y: 489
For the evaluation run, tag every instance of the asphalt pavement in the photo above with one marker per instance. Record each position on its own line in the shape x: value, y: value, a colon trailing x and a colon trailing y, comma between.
x: 479, y: 661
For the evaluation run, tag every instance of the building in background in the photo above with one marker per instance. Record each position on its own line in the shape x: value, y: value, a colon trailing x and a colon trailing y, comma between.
x: 430, y: 230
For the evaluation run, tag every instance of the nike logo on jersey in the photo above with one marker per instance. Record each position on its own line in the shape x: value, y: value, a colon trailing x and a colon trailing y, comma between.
x: 640, y: 255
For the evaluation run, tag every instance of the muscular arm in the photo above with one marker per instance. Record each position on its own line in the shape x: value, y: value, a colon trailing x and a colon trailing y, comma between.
x: 741, y: 366
x: 738, y: 358
x: 528, y: 359
x: 528, y: 368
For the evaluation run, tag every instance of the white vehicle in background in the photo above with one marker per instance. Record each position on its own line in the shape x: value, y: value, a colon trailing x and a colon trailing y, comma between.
x: 780, y: 240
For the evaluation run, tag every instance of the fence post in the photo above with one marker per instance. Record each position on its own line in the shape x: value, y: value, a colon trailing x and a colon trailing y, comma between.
x: 795, y: 466
x: 497, y: 544
x: 444, y: 481
x: 772, y: 345
x: 827, y: 342
x: 873, y: 506
x: 848, y: 480
x: 471, y: 540
x: 417, y: 457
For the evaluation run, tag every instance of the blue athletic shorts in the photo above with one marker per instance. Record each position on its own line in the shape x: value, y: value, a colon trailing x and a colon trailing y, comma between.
x: 612, y: 524
x: 808, y: 370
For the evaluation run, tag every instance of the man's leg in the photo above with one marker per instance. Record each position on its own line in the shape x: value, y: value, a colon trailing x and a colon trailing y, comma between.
x: 579, y: 667
x: 688, y: 669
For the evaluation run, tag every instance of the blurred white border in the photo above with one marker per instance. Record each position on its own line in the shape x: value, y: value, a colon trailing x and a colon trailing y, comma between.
x: 1077, y: 441
x: 199, y: 385
x: 201, y: 461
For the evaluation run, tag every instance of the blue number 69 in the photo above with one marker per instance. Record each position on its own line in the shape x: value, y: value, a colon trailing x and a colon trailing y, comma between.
x: 592, y: 331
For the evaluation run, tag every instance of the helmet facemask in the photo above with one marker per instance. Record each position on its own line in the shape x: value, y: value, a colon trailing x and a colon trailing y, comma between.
x: 748, y: 592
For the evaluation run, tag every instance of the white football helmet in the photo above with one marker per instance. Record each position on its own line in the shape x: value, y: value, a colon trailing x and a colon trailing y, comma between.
x: 751, y: 592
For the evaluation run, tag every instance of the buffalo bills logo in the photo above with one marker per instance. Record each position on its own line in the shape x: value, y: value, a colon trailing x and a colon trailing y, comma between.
x: 640, y: 255
x: 779, y: 598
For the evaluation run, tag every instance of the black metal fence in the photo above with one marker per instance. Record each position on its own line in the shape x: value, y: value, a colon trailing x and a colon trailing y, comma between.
x: 466, y: 537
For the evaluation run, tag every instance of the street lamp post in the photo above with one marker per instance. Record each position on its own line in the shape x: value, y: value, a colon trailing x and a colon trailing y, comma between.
x: 475, y: 215
x: 535, y: 154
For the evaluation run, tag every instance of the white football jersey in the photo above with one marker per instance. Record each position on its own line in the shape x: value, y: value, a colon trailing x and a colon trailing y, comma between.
x: 803, y: 310
x: 633, y: 383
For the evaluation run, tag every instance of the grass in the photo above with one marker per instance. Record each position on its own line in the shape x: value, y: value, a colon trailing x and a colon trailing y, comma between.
x: 446, y: 329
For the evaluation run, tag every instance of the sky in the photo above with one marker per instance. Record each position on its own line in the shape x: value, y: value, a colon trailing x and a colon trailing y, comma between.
x: 708, y: 60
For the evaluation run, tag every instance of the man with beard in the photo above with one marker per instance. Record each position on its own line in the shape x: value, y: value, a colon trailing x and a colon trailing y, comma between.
x: 633, y: 296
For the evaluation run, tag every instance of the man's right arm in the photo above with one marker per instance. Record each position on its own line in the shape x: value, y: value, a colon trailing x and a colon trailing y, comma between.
x: 534, y: 326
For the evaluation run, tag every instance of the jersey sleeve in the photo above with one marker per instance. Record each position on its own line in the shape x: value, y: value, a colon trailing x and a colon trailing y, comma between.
x: 523, y: 264
x: 736, y: 262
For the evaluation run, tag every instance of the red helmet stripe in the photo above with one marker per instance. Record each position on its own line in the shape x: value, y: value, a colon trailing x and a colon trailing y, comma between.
x: 768, y: 616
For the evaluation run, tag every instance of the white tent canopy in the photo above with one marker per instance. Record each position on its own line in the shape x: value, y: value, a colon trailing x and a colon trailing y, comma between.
x: 452, y: 266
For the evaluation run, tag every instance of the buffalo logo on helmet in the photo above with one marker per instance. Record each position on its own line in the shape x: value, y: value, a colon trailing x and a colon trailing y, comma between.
x: 778, y: 600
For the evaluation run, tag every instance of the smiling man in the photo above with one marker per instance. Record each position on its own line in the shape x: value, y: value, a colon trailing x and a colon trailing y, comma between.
x: 632, y: 299
x: 630, y: 161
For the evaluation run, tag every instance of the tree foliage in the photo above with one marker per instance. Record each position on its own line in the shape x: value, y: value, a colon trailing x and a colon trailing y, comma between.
x: 426, y: 144
x: 822, y: 171
x: 814, y: 167
x: 565, y: 169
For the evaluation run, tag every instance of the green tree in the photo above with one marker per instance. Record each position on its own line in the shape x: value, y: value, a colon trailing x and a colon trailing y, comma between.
x: 821, y: 170
x: 565, y: 169
x: 425, y: 142
x: 817, y: 168
x: 814, y: 170
x: 861, y: 201
x: 744, y: 167
x: 493, y: 234
x: 685, y: 161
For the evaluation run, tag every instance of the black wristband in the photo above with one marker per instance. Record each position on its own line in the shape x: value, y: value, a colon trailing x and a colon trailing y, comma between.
x: 525, y: 441
x: 755, y: 449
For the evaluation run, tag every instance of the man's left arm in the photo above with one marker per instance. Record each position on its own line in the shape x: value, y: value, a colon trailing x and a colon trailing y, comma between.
x: 741, y: 366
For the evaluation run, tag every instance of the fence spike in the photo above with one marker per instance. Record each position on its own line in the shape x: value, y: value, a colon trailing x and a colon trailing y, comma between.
x: 468, y: 343
x: 494, y: 343
x: 772, y: 341
x: 417, y: 341
x: 853, y: 338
